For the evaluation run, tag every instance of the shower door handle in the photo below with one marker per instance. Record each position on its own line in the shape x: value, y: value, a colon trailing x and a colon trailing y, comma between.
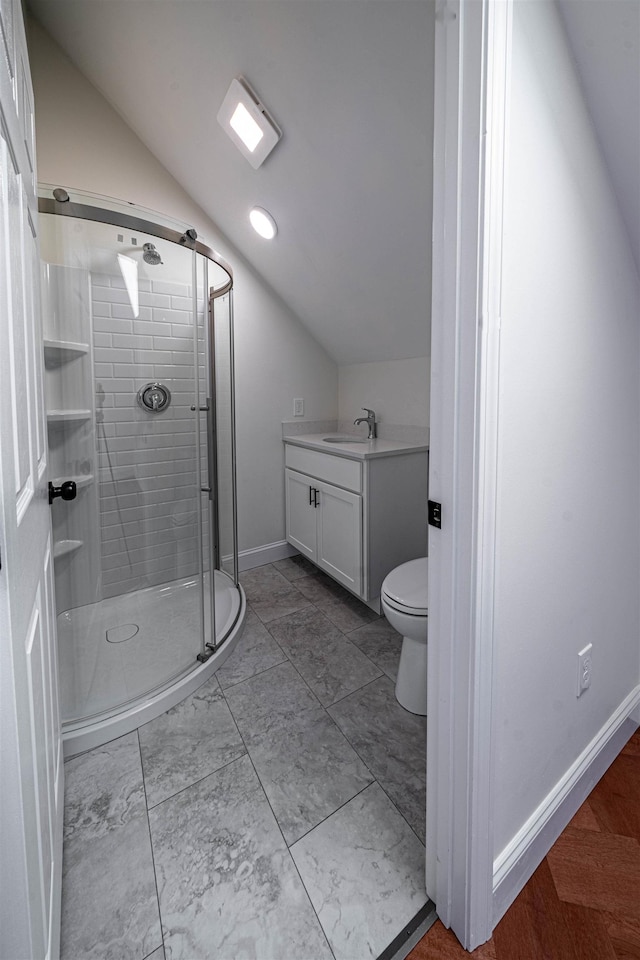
x: 211, y: 456
x: 206, y: 408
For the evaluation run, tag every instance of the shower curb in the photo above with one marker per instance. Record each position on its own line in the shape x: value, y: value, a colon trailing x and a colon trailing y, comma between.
x: 105, y: 729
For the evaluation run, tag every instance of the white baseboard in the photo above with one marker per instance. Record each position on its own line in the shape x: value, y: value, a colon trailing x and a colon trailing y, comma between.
x: 267, y: 553
x: 520, y: 858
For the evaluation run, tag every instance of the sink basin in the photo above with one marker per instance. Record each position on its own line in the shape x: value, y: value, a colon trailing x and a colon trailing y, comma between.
x: 344, y: 440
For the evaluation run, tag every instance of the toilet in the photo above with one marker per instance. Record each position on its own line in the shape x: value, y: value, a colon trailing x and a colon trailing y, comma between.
x: 405, y: 602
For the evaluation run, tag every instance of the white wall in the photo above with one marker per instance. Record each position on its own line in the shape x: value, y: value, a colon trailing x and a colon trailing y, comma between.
x: 398, y: 390
x: 568, y: 564
x: 83, y: 144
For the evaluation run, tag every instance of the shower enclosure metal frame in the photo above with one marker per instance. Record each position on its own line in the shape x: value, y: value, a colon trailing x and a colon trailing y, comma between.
x: 83, y: 211
x: 82, y: 735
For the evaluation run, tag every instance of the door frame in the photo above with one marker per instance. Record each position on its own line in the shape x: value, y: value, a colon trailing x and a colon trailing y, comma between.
x: 472, y: 71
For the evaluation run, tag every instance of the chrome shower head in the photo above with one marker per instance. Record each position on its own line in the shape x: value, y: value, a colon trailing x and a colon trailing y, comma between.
x: 150, y: 254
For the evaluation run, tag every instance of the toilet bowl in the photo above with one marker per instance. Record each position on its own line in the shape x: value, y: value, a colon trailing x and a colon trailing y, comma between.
x: 405, y: 602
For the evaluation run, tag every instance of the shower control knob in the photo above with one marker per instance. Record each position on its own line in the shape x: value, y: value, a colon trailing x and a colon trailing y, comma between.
x: 154, y: 397
x: 66, y: 490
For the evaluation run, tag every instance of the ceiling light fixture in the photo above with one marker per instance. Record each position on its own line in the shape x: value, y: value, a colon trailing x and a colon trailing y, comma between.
x: 263, y: 223
x: 246, y: 121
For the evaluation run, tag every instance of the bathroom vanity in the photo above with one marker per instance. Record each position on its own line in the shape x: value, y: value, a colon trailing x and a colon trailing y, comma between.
x: 356, y: 508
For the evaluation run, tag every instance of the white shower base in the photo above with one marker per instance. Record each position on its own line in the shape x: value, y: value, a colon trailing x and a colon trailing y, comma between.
x: 110, y: 685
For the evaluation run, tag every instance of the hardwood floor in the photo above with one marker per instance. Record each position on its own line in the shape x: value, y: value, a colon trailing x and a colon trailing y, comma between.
x: 583, y: 901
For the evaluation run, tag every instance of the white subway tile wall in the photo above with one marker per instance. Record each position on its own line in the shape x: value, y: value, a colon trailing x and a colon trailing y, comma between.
x: 148, y: 484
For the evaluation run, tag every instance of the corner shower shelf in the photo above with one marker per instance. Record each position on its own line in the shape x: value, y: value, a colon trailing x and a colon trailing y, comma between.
x: 67, y: 416
x: 61, y: 351
x: 62, y: 548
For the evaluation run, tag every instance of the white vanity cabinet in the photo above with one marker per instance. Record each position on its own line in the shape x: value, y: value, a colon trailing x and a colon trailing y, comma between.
x: 356, y: 515
x: 324, y: 522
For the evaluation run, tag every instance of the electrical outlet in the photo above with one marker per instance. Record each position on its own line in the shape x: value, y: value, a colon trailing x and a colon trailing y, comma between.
x: 585, y: 666
x: 298, y: 407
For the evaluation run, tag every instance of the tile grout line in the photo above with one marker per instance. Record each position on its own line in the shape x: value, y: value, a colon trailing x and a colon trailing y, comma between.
x: 334, y: 722
x: 273, y: 813
x: 295, y: 865
x: 392, y: 801
x: 356, y: 689
x: 341, y: 807
x: 374, y: 779
x: 353, y: 747
x: 337, y: 726
x: 356, y: 751
x: 222, y: 766
x: 287, y: 658
x: 259, y: 672
x: 329, y: 599
x: 153, y: 858
x: 359, y: 689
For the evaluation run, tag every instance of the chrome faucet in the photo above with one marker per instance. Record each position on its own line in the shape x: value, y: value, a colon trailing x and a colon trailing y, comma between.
x: 371, y: 420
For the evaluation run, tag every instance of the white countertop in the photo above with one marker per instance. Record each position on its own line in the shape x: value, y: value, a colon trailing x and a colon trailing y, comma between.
x: 355, y: 450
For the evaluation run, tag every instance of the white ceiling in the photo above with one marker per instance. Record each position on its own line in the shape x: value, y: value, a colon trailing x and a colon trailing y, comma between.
x: 350, y: 82
x: 604, y: 36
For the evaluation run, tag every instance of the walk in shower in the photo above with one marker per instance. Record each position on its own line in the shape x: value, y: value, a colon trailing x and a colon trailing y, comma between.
x: 138, y: 346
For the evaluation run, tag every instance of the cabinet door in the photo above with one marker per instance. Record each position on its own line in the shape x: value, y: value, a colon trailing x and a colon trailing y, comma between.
x: 340, y: 535
x: 301, y: 513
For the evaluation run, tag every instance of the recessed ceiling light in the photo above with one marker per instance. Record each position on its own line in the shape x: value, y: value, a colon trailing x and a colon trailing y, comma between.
x: 247, y: 123
x: 263, y: 223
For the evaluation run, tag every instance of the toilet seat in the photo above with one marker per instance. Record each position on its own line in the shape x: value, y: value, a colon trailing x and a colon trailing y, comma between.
x: 401, y: 608
x: 406, y: 588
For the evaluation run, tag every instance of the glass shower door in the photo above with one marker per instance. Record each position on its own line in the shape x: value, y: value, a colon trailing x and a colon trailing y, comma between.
x: 218, y: 437
x: 222, y: 362
x: 124, y: 372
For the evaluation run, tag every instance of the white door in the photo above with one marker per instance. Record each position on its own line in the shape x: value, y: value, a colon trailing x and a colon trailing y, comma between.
x: 31, y: 769
x: 340, y: 535
x: 301, y: 513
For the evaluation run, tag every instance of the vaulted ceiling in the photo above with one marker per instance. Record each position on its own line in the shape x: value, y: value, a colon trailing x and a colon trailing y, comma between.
x: 350, y: 82
x: 604, y: 36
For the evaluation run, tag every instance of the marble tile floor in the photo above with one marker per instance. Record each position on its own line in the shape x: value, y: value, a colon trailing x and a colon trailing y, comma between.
x: 276, y: 814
